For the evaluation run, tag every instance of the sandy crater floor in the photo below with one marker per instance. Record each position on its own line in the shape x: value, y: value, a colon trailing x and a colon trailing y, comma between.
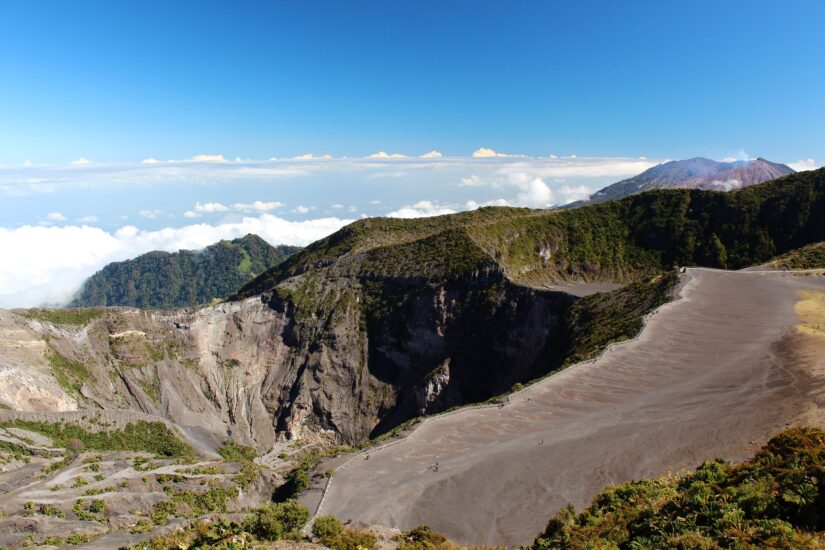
x: 714, y: 374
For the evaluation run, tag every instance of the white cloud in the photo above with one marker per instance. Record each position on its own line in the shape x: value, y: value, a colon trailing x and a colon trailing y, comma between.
x: 484, y: 152
x: 27, y: 163
x: 804, y: 164
x: 535, y: 193
x: 150, y: 161
x: 150, y: 214
x: 573, y: 193
x: 375, y: 202
x: 210, y: 207
x: 383, y: 155
x: 56, y: 217
x: 300, y: 210
x: 337, y: 205
x: 207, y: 158
x: 257, y: 206
x: 310, y: 156
x: 80, y: 162
x: 574, y: 167
x: 218, y: 208
x: 51, y: 262
x: 421, y: 209
x: 726, y: 185
x: 87, y: 219
x: 472, y: 205
x: 472, y: 181
x: 431, y: 155
x: 20, y: 181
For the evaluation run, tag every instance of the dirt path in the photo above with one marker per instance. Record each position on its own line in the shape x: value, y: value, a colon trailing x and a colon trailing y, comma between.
x: 707, y: 378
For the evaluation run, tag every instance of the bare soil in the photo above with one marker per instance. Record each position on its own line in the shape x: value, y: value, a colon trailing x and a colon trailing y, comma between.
x: 713, y: 374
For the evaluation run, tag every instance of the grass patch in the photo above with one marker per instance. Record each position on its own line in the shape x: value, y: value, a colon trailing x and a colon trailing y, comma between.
x: 71, y: 375
x: 807, y: 257
x: 71, y: 316
x: 152, y: 437
x: 233, y: 452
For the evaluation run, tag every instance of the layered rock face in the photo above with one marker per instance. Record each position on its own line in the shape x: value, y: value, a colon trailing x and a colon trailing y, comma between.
x: 258, y: 369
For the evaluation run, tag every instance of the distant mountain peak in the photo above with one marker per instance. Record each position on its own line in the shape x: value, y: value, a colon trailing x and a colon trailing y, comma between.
x: 694, y: 173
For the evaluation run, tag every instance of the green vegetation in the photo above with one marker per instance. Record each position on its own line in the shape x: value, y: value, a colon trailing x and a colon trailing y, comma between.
x: 192, y: 504
x: 219, y: 535
x: 77, y: 317
x: 152, y: 437
x: 776, y: 500
x: 50, y: 510
x: 265, y: 524
x: 185, y: 278
x: 626, y: 240
x: 247, y: 475
x: 233, y: 452
x: 326, y: 527
x: 92, y: 512
x: 297, y: 480
x: 807, y: 257
x: 424, y: 538
x: 79, y: 538
x: 277, y: 521
x: 351, y: 539
x: 71, y: 375
x: 12, y: 451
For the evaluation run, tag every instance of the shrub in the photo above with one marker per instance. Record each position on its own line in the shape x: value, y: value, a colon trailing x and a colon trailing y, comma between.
x: 774, y: 500
x: 327, y: 527
x: 352, y: 539
x: 276, y: 521
x: 234, y: 452
x: 98, y: 506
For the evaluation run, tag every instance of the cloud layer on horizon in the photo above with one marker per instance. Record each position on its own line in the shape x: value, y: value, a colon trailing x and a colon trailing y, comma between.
x: 285, y: 201
x: 50, y: 263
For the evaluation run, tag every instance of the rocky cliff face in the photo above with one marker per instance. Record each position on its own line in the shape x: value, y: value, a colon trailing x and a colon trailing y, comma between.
x: 260, y: 368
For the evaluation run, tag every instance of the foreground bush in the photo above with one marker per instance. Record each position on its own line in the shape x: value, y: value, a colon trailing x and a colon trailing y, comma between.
x: 277, y: 521
x: 351, y: 539
x: 424, y: 538
x: 775, y: 500
x: 327, y: 527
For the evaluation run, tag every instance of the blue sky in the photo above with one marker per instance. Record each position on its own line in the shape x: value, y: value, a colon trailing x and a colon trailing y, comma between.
x: 122, y: 81
x: 132, y: 126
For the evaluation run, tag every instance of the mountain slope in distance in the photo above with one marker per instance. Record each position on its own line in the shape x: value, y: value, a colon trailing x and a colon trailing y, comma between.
x: 695, y: 173
x: 181, y: 279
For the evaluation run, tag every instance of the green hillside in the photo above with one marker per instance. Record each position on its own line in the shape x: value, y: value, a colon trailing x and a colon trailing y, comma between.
x: 179, y: 279
x: 625, y: 240
x: 807, y: 257
x: 775, y: 500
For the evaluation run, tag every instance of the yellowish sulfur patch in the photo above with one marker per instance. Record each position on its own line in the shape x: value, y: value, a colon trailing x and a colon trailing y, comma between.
x: 811, y: 312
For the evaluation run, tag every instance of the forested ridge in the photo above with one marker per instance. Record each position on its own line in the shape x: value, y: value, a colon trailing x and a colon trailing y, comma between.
x: 184, y: 278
